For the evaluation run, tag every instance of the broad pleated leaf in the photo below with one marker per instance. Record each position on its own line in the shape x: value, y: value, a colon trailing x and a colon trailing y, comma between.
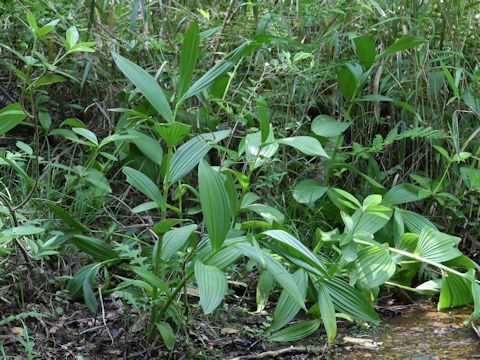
x: 456, y: 291
x: 296, y: 332
x: 148, y: 146
x: 306, y: 144
x: 97, y: 248
x: 189, y: 154
x: 175, y: 239
x: 374, y: 266
x: 144, y: 184
x: 287, y: 307
x: 11, y: 116
x: 215, y: 202
x: 405, y: 43
x: 365, y: 50
x: 327, y: 126
x: 308, y: 191
x: 297, y: 248
x: 147, y: 85
x: 281, y: 275
x: 167, y: 334
x: 75, y: 286
x: 415, y: 222
x: 348, y: 300
x: 327, y: 312
x: 67, y: 218
x: 264, y: 287
x: 270, y: 214
x: 476, y: 301
x: 437, y: 246
x: 188, y: 57
x: 258, y: 151
x: 212, y: 286
x: 402, y: 194
x: 172, y: 133
x: 89, y: 297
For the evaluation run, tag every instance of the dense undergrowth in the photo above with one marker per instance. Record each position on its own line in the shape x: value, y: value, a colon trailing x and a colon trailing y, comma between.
x: 154, y: 151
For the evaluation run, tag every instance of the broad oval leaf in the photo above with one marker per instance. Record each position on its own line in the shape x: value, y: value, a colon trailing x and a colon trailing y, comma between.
x: 188, y: 57
x: 308, y: 191
x: 11, y: 116
x: 373, y: 266
x: 327, y: 312
x: 437, y: 246
x: 212, y: 286
x: 147, y: 145
x: 287, y: 307
x: 348, y: 300
x: 144, y: 184
x: 405, y: 43
x: 96, y: 248
x: 306, y: 144
x: 296, y: 332
x: 189, y: 154
x: 327, y: 126
x: 175, y: 239
x: 215, y: 202
x: 147, y: 85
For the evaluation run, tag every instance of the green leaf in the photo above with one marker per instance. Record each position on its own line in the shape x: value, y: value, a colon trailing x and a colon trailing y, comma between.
x: 71, y: 37
x: 365, y: 50
x: 402, y: 194
x: 296, y: 332
x: 415, y: 222
x: 17, y: 231
x: 270, y: 214
x: 48, y: 79
x: 348, y: 78
x: 89, y: 296
x: 264, y: 287
x: 142, y: 183
x: 348, y: 300
x: 308, y: 191
x: 188, y: 57
x: 11, y: 116
x: 96, y: 248
x: 287, y: 307
x: 150, y: 278
x: 75, y: 286
x: 31, y: 22
x: 215, y: 202
x: 87, y: 134
x: 263, y: 119
x: 167, y: 334
x: 212, y: 286
x: 306, y: 144
x: 327, y: 312
x: 172, y: 133
x: 456, y: 291
x: 147, y: 145
x: 437, y: 246
x: 67, y: 218
x: 281, y: 275
x: 296, y: 248
x: 176, y: 239
x: 327, y: 126
x: 408, y: 42
x: 190, y: 153
x: 147, y: 85
x: 476, y: 301
x: 373, y: 266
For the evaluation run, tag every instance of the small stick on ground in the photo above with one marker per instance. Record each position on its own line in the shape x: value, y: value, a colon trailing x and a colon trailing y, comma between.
x: 284, y: 351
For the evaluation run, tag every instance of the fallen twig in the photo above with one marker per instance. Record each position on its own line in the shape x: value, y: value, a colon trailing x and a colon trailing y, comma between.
x: 275, y: 353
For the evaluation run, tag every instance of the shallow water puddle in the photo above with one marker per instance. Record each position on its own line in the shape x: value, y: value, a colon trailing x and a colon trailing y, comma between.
x: 420, y: 332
